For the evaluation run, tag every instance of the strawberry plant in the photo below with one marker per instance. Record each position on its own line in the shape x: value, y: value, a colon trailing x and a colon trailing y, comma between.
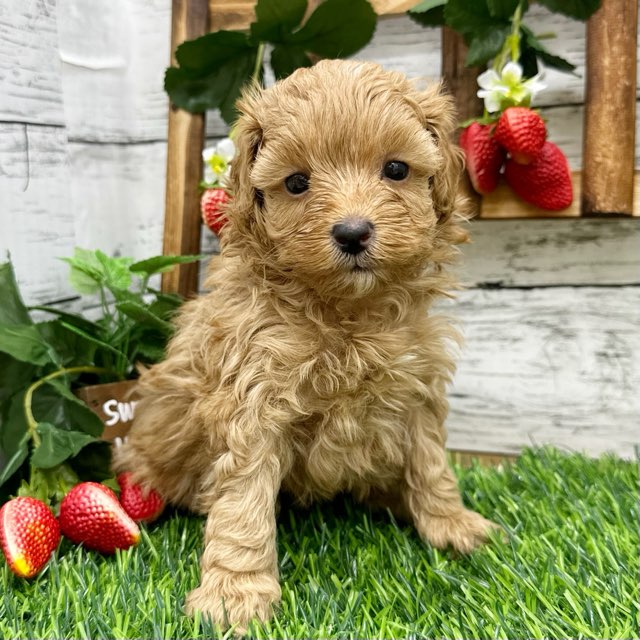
x: 49, y: 439
x: 510, y: 138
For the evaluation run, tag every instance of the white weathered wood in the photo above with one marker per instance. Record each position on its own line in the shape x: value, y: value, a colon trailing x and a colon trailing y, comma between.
x: 554, y: 366
x: 36, y: 219
x: 117, y: 197
x: 30, y: 88
x: 534, y: 253
x: 114, y: 54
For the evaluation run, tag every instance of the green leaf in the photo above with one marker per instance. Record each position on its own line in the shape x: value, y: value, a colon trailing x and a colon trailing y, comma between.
x: 432, y: 18
x: 12, y: 309
x: 86, y: 273
x: 144, y: 316
x: 65, y: 411
x: 504, y: 8
x: 467, y: 17
x: 427, y: 5
x: 164, y: 309
x: 579, y: 9
x: 115, y: 271
x: 15, y: 458
x: 57, y: 445
x: 95, y: 340
x: 213, y: 69
x: 160, y: 264
x: 286, y: 59
x: 93, y: 462
x: 277, y: 18
x: 25, y: 343
x: 337, y: 28
x: 69, y: 347
x: 14, y: 374
x: 485, y: 44
x: 151, y: 350
x: 75, y: 320
x: 529, y: 41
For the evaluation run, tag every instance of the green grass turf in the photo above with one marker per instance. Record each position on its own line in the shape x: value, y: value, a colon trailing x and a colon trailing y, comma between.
x: 569, y: 569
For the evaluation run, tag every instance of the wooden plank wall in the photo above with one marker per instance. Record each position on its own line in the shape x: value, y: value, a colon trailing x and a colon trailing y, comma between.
x: 552, y: 311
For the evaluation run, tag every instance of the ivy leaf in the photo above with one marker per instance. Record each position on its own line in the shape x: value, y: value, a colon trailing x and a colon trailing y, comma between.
x: 485, y: 44
x: 95, y: 340
x: 56, y: 445
x: 529, y: 41
x: 579, y: 9
x: 276, y: 18
x: 213, y: 69
x: 68, y: 346
x: 93, y: 462
x: 85, y: 274
x: 337, y: 28
x: 160, y: 264
x: 12, y: 309
x: 285, y: 60
x: 25, y: 343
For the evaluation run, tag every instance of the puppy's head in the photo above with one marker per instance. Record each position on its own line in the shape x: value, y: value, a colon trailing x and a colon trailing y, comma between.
x: 344, y: 179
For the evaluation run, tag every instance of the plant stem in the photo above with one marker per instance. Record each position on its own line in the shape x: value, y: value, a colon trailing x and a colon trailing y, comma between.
x: 28, y: 413
x: 255, y: 76
x: 511, y: 46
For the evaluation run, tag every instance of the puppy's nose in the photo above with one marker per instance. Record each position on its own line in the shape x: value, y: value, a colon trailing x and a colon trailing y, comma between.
x: 352, y: 235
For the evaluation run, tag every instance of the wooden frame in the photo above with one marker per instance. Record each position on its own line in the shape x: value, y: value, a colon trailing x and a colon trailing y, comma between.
x: 605, y: 186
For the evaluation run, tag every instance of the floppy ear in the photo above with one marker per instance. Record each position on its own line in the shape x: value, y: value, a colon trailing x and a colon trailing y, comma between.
x: 438, y: 112
x: 247, y: 136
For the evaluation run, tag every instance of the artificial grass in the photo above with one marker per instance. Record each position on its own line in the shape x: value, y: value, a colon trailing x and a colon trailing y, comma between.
x: 568, y: 570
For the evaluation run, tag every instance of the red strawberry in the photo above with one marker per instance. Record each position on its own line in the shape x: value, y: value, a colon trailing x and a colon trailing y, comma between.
x: 546, y: 182
x: 142, y: 506
x: 28, y: 534
x: 91, y: 514
x: 483, y: 155
x: 212, y: 205
x: 522, y: 133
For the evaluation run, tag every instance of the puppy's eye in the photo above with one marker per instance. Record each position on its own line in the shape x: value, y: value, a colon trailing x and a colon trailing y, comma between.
x: 395, y: 170
x: 297, y: 183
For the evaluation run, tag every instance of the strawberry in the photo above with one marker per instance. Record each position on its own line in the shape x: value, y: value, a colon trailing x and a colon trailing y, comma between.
x: 483, y: 155
x: 546, y: 182
x: 142, y: 506
x: 29, y: 533
x: 91, y: 514
x: 522, y: 133
x: 212, y: 205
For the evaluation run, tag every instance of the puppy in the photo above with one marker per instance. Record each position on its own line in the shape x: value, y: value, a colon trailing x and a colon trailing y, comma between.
x: 313, y: 365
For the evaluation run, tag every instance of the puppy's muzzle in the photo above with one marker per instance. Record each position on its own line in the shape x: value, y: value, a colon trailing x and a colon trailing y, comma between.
x: 352, y: 235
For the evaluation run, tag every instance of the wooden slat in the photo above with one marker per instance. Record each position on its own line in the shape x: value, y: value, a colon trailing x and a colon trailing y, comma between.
x: 184, y: 163
x: 504, y: 204
x: 462, y: 82
x: 609, y: 125
x: 238, y: 14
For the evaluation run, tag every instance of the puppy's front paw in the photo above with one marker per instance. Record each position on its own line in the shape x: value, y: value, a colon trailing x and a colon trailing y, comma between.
x: 463, y: 530
x: 233, y: 600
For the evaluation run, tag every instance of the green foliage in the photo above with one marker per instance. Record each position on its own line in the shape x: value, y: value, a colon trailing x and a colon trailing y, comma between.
x: 568, y: 570
x: 46, y: 433
x: 213, y: 69
x: 486, y: 26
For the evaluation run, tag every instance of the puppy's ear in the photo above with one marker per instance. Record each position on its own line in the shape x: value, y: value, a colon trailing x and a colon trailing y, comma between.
x: 247, y: 139
x: 438, y: 113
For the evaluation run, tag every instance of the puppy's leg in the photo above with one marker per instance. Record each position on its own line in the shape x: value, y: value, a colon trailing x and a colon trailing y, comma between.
x: 431, y: 495
x: 239, y: 568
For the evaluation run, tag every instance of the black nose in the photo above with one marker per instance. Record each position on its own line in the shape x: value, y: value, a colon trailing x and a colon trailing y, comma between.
x: 352, y: 235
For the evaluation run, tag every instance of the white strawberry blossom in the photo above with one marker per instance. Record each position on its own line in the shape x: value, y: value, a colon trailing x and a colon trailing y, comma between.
x: 507, y: 89
x: 217, y: 160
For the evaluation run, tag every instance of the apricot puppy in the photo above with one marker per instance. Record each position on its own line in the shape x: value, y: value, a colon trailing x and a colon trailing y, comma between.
x: 313, y: 366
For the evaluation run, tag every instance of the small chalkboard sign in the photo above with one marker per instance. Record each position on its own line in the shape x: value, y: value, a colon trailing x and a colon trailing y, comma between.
x: 115, y: 404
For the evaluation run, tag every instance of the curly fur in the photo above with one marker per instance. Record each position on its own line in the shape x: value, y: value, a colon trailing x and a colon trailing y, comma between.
x: 305, y: 369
